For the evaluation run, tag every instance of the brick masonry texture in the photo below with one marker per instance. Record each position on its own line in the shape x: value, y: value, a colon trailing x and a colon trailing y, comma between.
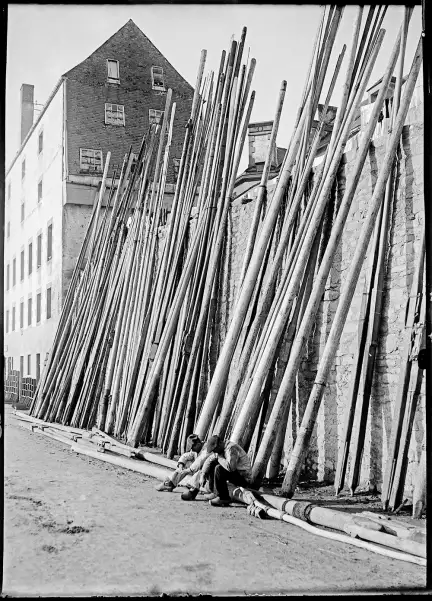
x: 12, y: 384
x: 403, y: 252
x: 88, y: 91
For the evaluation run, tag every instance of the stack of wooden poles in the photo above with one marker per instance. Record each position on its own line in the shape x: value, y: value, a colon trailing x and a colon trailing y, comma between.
x: 287, y: 312
x: 132, y: 350
x: 133, y: 334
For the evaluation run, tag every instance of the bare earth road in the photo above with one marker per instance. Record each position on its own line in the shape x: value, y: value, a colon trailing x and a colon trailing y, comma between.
x: 77, y: 526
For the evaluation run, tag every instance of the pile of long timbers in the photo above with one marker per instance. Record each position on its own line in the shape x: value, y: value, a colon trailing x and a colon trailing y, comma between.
x: 131, y: 354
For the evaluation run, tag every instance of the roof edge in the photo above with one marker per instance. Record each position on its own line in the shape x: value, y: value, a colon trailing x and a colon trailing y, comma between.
x: 33, y: 127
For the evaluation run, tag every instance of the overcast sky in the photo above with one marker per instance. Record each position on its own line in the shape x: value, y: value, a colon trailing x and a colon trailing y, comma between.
x: 46, y: 41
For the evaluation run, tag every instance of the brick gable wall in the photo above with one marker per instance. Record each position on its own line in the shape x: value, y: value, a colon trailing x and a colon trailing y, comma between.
x: 88, y: 91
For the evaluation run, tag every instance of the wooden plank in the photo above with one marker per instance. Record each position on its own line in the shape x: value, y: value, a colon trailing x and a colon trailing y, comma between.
x: 141, y: 467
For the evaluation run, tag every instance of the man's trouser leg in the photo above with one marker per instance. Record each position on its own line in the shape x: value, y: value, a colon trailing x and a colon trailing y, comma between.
x: 221, y: 476
x: 177, y: 476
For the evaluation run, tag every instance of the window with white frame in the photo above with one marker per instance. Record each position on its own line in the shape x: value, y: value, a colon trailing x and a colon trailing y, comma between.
x: 49, y: 242
x: 38, y: 307
x: 48, y: 301
x: 29, y: 310
x: 90, y: 160
x: 157, y: 78
x: 155, y: 116
x: 114, y: 114
x: 113, y: 71
x: 38, y: 366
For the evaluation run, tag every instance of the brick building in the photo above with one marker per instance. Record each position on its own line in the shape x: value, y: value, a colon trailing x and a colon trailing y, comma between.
x: 103, y: 104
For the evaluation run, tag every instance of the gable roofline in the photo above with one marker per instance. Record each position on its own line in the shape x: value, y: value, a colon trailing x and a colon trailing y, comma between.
x: 130, y: 23
x: 35, y: 124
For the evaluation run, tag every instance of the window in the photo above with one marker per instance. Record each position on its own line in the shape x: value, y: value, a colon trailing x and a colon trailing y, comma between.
x: 28, y: 365
x: 21, y: 314
x: 30, y: 260
x: 37, y: 366
x: 48, y: 309
x: 7, y: 321
x: 40, y: 143
x: 49, y: 242
x: 22, y: 265
x: 23, y: 165
x: 155, y: 116
x: 14, y: 272
x: 8, y: 229
x: 29, y: 311
x: 38, y: 307
x: 40, y: 191
x: 114, y: 114
x: 7, y: 276
x: 113, y: 71
x: 22, y: 210
x: 39, y: 251
x: 90, y: 160
x: 13, y: 319
x: 157, y: 78
x: 22, y: 365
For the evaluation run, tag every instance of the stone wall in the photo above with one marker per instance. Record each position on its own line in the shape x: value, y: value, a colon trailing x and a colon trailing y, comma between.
x: 404, y: 245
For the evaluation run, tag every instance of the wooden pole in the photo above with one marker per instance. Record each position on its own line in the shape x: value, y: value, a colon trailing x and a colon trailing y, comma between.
x: 262, y: 189
x: 288, y: 381
x: 301, y: 445
x: 218, y: 382
x: 413, y: 314
x: 251, y: 403
x: 399, y: 475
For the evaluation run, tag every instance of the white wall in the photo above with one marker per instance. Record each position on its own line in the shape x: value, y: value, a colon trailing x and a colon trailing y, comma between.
x: 47, y: 165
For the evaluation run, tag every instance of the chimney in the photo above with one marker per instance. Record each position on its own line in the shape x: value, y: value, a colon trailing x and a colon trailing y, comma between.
x: 259, y: 141
x: 27, y: 109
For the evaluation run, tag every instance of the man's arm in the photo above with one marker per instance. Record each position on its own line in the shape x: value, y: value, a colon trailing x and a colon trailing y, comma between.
x: 199, y: 461
x: 183, y: 459
x: 212, y: 458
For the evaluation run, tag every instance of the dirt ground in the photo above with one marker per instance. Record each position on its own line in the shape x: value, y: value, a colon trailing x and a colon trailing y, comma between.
x: 78, y: 526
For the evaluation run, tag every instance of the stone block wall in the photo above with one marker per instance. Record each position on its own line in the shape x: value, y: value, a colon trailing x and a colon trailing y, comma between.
x: 403, y: 251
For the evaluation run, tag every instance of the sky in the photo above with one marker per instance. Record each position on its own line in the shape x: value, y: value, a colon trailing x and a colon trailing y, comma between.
x: 45, y: 41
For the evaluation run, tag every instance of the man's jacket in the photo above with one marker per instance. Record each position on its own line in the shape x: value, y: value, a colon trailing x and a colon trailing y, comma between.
x: 233, y: 459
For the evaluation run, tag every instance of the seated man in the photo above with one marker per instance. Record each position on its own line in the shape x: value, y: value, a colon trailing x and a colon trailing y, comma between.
x: 188, y: 467
x: 227, y: 462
